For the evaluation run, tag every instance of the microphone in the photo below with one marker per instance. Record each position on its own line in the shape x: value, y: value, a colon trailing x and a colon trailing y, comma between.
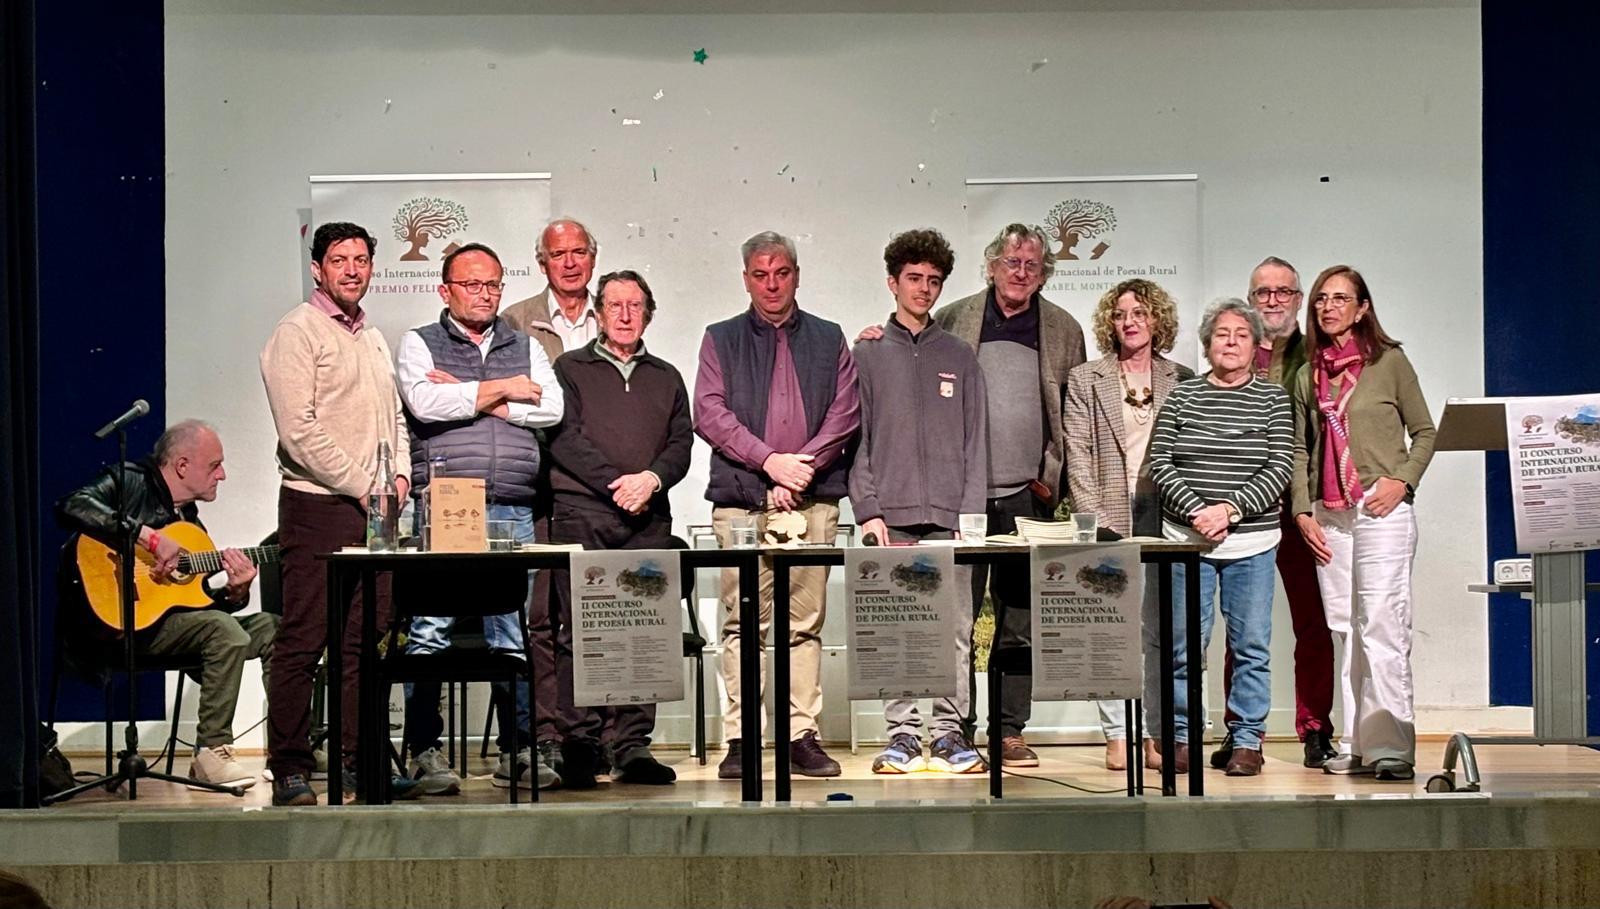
x: 139, y: 409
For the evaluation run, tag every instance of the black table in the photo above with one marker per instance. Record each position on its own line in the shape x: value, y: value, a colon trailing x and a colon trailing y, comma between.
x: 372, y: 755
x: 1013, y: 557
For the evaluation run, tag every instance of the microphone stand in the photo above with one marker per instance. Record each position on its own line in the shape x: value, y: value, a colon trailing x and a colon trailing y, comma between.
x: 131, y: 766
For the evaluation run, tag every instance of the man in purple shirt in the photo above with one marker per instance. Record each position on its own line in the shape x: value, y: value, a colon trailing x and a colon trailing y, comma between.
x: 776, y: 398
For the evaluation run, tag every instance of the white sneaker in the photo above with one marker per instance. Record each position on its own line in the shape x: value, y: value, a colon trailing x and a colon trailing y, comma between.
x: 217, y: 765
x: 548, y: 778
x: 433, y: 774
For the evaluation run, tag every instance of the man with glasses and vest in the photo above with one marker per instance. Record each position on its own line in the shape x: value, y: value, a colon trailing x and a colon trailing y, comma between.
x: 475, y: 389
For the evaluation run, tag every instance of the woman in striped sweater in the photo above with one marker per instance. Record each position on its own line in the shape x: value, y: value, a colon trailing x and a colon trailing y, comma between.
x: 1221, y: 456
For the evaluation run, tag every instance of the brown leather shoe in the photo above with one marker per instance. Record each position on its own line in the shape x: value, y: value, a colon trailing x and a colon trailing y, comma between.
x: 1244, y: 762
x: 1152, y: 754
x: 1116, y: 754
x: 1014, y: 752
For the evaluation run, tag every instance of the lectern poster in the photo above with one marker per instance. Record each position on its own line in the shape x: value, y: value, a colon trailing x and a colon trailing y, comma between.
x: 627, y: 634
x: 1555, y: 472
x: 1086, y: 622
x: 901, y: 609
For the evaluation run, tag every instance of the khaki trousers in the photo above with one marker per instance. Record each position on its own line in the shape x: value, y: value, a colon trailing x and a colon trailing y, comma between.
x: 807, y: 595
x: 224, y: 642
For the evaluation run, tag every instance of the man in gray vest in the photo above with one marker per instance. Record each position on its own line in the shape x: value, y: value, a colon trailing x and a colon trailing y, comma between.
x: 776, y: 397
x: 475, y: 389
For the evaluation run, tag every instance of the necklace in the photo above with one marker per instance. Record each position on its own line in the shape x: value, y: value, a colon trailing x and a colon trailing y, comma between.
x: 1141, y: 403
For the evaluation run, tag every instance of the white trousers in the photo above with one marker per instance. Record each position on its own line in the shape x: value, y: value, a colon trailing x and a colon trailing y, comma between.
x: 1366, y: 594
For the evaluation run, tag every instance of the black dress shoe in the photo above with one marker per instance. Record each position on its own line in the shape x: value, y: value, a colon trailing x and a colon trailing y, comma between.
x: 1223, y: 754
x: 1319, y: 748
x: 732, y: 766
x: 807, y: 758
x: 641, y: 767
x: 579, y: 760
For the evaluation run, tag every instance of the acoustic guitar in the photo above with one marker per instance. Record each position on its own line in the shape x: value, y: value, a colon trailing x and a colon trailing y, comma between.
x: 101, y: 572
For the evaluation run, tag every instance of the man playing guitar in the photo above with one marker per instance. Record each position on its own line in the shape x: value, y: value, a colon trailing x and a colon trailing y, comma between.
x: 161, y: 490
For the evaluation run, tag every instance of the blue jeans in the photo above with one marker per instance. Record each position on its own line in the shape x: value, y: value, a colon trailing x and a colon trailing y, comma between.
x: 1247, y: 591
x: 503, y: 633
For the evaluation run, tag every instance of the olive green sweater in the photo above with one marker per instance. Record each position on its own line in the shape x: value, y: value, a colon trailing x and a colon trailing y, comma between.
x: 1386, y: 407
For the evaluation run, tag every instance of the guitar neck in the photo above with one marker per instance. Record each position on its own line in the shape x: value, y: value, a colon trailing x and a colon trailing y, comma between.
x: 210, y: 561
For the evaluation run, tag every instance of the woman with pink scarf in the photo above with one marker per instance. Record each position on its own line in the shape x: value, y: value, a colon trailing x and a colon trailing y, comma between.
x: 1357, y: 401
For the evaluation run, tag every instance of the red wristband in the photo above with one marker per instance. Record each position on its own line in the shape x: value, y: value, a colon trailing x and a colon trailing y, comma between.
x: 153, y: 541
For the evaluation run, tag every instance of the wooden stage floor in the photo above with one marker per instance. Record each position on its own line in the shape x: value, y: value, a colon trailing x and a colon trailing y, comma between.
x: 1065, y: 771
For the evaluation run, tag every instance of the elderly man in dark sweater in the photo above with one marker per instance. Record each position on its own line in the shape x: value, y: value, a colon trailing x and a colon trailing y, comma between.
x: 922, y: 462
x: 624, y: 442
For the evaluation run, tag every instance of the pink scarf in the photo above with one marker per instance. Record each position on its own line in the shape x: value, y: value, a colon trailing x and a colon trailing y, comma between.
x: 1341, y: 484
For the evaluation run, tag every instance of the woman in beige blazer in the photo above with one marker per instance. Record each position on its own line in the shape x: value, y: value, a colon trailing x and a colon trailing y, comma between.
x: 1110, y: 410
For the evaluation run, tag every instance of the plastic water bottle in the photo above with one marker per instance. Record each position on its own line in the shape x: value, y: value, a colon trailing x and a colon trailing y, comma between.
x: 383, y: 506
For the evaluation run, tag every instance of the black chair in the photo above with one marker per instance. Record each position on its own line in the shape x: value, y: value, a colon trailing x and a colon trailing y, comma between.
x: 694, y: 648
x: 428, y: 594
x: 104, y: 675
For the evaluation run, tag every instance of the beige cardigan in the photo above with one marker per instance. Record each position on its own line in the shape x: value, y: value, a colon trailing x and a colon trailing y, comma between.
x: 333, y: 398
x: 1386, y: 407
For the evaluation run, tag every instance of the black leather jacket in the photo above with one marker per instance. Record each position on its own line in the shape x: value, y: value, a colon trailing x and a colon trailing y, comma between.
x: 92, y: 510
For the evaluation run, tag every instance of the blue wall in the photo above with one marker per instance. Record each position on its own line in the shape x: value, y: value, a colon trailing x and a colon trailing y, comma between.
x: 1541, y: 265
x: 102, y: 332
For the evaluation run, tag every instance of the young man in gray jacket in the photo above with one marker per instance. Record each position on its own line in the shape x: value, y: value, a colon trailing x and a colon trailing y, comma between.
x: 922, y: 462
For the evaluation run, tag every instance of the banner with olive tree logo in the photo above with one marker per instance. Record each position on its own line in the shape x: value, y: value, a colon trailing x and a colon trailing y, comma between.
x: 1102, y: 231
x: 418, y: 219
x: 627, y: 627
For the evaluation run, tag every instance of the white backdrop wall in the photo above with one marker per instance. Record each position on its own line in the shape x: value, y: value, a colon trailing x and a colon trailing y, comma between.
x: 841, y: 129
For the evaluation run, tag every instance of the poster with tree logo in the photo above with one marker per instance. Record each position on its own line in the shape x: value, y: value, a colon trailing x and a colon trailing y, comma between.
x: 1555, y: 472
x: 901, y: 606
x: 627, y: 627
x: 1086, y: 631
x: 1102, y: 231
x: 418, y: 219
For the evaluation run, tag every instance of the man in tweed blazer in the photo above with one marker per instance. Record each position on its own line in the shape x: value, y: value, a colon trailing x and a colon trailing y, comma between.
x: 1026, y: 346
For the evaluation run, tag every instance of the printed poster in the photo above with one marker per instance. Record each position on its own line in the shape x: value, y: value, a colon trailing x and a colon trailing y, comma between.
x: 1555, y: 472
x: 1086, y: 643
x: 627, y: 628
x: 901, y: 609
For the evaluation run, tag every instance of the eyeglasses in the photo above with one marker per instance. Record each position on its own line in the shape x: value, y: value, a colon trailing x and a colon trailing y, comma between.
x: 617, y: 307
x: 1263, y: 294
x: 1132, y: 315
x: 1336, y: 301
x: 1028, y: 266
x: 475, y: 287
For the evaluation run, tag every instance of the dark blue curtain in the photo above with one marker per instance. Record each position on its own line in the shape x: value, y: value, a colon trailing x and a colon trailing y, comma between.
x: 19, y: 345
x: 1541, y: 266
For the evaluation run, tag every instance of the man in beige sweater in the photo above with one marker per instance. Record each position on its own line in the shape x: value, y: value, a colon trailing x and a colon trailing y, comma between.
x: 330, y: 383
